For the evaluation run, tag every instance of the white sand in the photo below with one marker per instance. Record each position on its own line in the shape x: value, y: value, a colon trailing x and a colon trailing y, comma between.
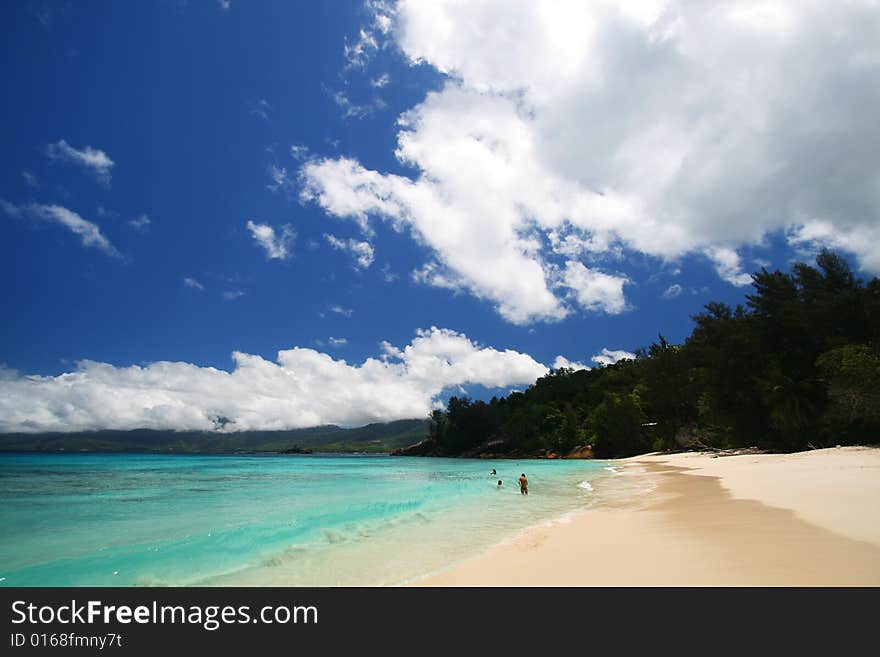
x: 811, y: 518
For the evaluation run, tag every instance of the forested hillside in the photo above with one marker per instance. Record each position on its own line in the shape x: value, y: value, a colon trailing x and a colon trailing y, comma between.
x: 796, y: 366
x: 381, y: 437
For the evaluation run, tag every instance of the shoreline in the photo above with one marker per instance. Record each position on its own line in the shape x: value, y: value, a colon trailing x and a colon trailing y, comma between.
x: 802, y: 519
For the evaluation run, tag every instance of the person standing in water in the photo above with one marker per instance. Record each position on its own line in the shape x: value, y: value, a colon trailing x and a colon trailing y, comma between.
x: 523, y: 484
x: 499, y: 483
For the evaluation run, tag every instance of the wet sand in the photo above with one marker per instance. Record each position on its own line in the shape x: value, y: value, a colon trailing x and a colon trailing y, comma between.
x: 806, y: 519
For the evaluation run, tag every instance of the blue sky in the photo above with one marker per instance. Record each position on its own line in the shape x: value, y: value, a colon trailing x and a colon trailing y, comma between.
x: 163, y: 128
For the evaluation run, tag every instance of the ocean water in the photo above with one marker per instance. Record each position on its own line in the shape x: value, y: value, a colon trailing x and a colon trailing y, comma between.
x: 323, y: 520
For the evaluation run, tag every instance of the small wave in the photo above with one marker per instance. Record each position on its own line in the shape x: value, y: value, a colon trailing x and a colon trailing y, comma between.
x: 612, y: 470
x: 585, y: 485
x: 566, y: 518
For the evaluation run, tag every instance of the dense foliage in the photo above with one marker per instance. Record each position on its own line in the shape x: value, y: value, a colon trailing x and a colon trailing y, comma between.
x: 797, y: 366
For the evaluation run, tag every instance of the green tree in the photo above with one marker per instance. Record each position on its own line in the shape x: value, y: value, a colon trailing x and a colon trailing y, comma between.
x: 852, y: 374
x: 618, y: 422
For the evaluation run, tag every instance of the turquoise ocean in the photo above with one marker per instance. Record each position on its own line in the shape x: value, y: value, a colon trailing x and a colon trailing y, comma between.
x: 322, y: 520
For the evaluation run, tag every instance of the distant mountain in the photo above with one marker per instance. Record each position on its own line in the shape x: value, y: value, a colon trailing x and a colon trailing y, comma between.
x: 380, y: 437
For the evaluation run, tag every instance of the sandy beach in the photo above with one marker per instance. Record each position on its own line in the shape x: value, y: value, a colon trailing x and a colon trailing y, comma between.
x: 693, y: 519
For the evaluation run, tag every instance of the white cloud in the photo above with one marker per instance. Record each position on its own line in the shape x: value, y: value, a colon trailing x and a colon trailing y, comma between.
x: 371, y: 37
x: 141, y: 224
x: 609, y: 356
x: 30, y: 179
x: 193, y: 283
x: 434, y: 274
x: 225, y: 5
x: 355, y: 110
x: 302, y: 388
x: 358, y: 52
x: 568, y: 242
x: 727, y: 264
x: 381, y: 81
x: 593, y: 290
x: 299, y: 151
x: 232, y: 295
x: 383, y: 15
x: 8, y: 373
x: 94, y: 159
x: 89, y: 233
x: 813, y: 236
x: 362, y: 251
x: 339, y: 310
x: 337, y: 342
x: 562, y: 362
x: 661, y: 128
x: 673, y: 291
x: 277, y: 247
x: 481, y: 249
x: 281, y: 181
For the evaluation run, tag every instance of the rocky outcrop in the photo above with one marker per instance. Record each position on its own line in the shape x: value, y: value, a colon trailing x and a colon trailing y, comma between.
x: 580, y: 452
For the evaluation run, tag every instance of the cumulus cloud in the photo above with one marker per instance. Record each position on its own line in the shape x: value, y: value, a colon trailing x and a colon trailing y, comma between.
x: 362, y: 251
x: 434, y: 274
x: 277, y: 246
x: 561, y: 362
x: 8, y: 373
x: 89, y: 233
x: 589, y: 129
x: 594, y: 290
x: 301, y: 388
x: 727, y: 264
x: 813, y: 236
x: 93, y: 159
x: 611, y: 356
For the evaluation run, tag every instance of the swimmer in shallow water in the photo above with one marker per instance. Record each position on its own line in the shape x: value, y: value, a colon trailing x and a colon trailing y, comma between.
x: 523, y: 484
